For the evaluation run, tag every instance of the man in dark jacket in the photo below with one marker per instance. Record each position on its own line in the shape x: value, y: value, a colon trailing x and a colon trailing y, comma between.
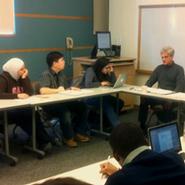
x: 140, y: 165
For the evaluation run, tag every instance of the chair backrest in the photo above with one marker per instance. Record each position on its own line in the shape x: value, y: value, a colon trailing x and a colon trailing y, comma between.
x: 36, y: 87
x: 162, y: 115
x: 77, y: 81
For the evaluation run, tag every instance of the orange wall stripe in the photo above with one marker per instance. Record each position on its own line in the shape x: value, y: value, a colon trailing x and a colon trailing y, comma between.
x: 29, y: 50
x: 3, y: 51
x: 83, y: 47
x: 45, y: 16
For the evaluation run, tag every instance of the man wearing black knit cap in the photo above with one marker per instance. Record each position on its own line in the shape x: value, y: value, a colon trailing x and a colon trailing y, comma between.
x: 102, y: 74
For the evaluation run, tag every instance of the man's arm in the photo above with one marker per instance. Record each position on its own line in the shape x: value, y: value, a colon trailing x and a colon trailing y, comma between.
x: 153, y: 78
x: 47, y: 90
x: 112, y: 77
x: 180, y: 81
x: 89, y: 79
x: 3, y: 90
x: 26, y: 84
x: 46, y: 87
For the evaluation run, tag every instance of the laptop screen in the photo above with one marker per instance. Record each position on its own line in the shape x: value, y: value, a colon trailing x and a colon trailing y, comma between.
x: 120, y: 81
x: 165, y: 137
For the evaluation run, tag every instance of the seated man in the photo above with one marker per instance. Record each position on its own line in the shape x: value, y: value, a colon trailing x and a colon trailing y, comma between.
x: 140, y: 165
x: 102, y: 74
x: 53, y: 81
x: 169, y: 76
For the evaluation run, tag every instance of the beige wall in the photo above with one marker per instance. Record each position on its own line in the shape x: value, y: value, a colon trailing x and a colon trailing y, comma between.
x: 123, y: 24
x: 100, y: 15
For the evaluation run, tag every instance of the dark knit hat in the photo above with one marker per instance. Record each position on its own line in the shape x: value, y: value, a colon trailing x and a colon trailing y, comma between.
x: 100, y: 64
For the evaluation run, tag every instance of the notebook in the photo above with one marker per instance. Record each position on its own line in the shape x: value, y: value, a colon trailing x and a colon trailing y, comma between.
x: 77, y: 92
x: 165, y: 137
x: 120, y: 81
x: 159, y: 91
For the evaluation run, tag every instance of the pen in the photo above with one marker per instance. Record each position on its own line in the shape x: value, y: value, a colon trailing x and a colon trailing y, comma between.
x: 108, y: 159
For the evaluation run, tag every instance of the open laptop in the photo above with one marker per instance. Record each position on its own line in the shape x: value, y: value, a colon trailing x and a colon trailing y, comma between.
x: 120, y: 81
x: 165, y: 137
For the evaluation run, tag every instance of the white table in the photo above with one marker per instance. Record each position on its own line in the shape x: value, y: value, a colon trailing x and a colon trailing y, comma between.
x: 90, y: 174
x: 39, y: 100
x: 6, y: 105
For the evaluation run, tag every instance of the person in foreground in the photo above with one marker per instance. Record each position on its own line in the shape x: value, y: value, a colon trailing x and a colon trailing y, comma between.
x: 64, y: 181
x: 169, y: 76
x: 102, y: 74
x: 15, y: 84
x: 140, y: 165
x: 54, y: 81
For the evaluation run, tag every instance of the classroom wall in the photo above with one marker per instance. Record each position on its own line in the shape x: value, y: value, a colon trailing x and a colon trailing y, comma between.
x: 42, y: 26
x: 100, y: 15
x: 123, y: 23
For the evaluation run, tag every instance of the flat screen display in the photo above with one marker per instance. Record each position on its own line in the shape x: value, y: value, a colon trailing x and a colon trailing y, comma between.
x: 103, y: 40
x: 164, y: 138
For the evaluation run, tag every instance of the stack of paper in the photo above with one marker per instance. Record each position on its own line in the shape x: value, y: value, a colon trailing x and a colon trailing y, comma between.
x: 159, y: 91
x: 77, y: 92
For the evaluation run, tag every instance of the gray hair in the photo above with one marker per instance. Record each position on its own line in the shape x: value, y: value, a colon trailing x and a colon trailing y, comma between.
x: 169, y: 50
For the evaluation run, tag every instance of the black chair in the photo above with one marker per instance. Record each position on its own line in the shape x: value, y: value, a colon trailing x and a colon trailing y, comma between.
x: 164, y: 116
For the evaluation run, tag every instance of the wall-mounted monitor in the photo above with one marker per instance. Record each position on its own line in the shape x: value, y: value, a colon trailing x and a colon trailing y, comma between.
x: 103, y: 40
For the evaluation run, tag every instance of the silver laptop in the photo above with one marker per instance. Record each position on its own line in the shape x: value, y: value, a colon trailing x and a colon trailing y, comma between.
x: 165, y: 137
x: 120, y: 81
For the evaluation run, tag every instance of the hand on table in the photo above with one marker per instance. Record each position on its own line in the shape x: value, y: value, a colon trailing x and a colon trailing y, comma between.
x: 22, y: 96
x: 105, y: 83
x: 74, y: 88
x: 61, y: 89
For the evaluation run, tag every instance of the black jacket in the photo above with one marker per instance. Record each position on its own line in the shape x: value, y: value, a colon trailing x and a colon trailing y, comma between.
x: 150, y: 168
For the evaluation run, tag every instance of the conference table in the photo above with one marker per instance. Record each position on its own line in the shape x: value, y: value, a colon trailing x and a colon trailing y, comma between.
x: 36, y: 101
x: 70, y: 95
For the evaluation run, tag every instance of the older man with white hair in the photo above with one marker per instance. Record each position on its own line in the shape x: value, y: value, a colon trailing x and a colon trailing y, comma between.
x: 169, y: 76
